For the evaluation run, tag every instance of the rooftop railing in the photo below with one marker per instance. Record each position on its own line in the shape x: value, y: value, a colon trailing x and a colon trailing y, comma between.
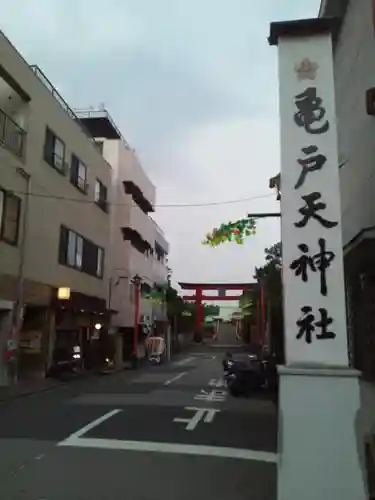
x: 47, y: 83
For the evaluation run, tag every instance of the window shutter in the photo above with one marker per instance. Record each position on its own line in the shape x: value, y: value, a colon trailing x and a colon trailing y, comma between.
x: 48, y: 146
x: 63, y: 247
x: 74, y: 169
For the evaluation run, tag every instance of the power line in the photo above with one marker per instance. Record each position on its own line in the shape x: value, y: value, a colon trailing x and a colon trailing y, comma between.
x: 167, y: 205
x: 215, y: 203
x: 170, y: 205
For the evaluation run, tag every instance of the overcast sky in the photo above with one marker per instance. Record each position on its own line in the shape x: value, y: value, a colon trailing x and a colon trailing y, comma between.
x: 193, y: 87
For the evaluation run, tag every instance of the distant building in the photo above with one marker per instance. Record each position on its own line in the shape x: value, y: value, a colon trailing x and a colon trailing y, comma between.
x: 137, y: 244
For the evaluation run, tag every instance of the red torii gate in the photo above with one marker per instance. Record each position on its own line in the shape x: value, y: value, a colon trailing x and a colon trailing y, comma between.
x: 198, y: 297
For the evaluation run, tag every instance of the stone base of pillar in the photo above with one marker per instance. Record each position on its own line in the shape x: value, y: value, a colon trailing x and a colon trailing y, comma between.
x: 320, y: 443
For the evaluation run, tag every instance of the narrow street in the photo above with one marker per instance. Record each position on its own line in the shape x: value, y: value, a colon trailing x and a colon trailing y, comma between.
x: 167, y: 432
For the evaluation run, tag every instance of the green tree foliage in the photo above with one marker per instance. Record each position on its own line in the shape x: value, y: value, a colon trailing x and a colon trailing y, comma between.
x: 269, y: 276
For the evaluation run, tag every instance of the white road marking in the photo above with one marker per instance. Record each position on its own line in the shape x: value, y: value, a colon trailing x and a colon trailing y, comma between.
x: 39, y: 457
x: 210, y: 415
x: 177, y: 448
x: 214, y: 395
x: 207, y: 414
x: 216, y: 382
x: 91, y: 425
x: 184, y: 361
x: 177, y: 377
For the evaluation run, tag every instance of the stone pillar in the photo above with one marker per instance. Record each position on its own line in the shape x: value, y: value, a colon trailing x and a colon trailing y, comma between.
x: 319, y: 394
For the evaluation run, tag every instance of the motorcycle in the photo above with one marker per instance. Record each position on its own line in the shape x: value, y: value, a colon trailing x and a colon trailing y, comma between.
x: 244, y: 378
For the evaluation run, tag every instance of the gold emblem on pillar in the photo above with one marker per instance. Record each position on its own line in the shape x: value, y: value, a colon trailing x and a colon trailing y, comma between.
x: 306, y: 69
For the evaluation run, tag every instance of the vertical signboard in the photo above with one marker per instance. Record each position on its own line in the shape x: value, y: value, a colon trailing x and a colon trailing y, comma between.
x: 314, y: 295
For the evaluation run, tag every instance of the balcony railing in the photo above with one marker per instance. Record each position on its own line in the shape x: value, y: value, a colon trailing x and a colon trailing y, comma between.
x: 12, y: 136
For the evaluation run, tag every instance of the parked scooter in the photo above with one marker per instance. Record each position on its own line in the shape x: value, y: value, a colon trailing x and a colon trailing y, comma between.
x: 246, y: 377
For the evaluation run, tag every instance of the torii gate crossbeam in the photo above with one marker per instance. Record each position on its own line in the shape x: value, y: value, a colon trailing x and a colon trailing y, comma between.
x: 198, y: 297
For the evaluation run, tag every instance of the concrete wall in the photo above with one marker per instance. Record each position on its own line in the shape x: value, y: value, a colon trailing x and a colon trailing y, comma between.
x: 354, y: 66
x: 160, y: 237
x: 134, y: 172
x: 125, y: 260
x: 160, y: 272
x: 46, y: 212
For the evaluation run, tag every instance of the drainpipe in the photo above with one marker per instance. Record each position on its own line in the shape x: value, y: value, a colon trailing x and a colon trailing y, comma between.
x: 17, y: 318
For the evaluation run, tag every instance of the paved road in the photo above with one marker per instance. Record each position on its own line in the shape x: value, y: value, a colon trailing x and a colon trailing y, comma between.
x: 227, y: 335
x: 166, y: 432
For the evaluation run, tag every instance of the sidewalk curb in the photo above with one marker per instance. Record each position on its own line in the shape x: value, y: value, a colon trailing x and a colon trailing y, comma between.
x: 55, y: 384
x: 11, y: 397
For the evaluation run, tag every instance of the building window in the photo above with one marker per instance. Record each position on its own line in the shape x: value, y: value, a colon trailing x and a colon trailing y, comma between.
x: 54, y: 151
x: 78, y: 174
x: 10, y: 209
x: 80, y: 253
x: 74, y: 250
x: 101, y: 195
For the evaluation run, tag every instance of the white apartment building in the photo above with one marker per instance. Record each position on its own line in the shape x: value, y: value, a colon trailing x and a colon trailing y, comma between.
x: 160, y: 269
x: 54, y: 217
x: 137, y: 245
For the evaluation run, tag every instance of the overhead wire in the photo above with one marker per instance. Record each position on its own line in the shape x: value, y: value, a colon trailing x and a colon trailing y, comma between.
x: 48, y: 195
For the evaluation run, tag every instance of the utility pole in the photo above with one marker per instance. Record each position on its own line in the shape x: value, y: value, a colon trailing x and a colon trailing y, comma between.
x: 18, y: 309
x: 137, y: 281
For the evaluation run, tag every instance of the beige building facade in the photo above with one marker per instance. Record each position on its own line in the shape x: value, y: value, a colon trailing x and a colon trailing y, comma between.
x: 54, y: 216
x: 138, y: 245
